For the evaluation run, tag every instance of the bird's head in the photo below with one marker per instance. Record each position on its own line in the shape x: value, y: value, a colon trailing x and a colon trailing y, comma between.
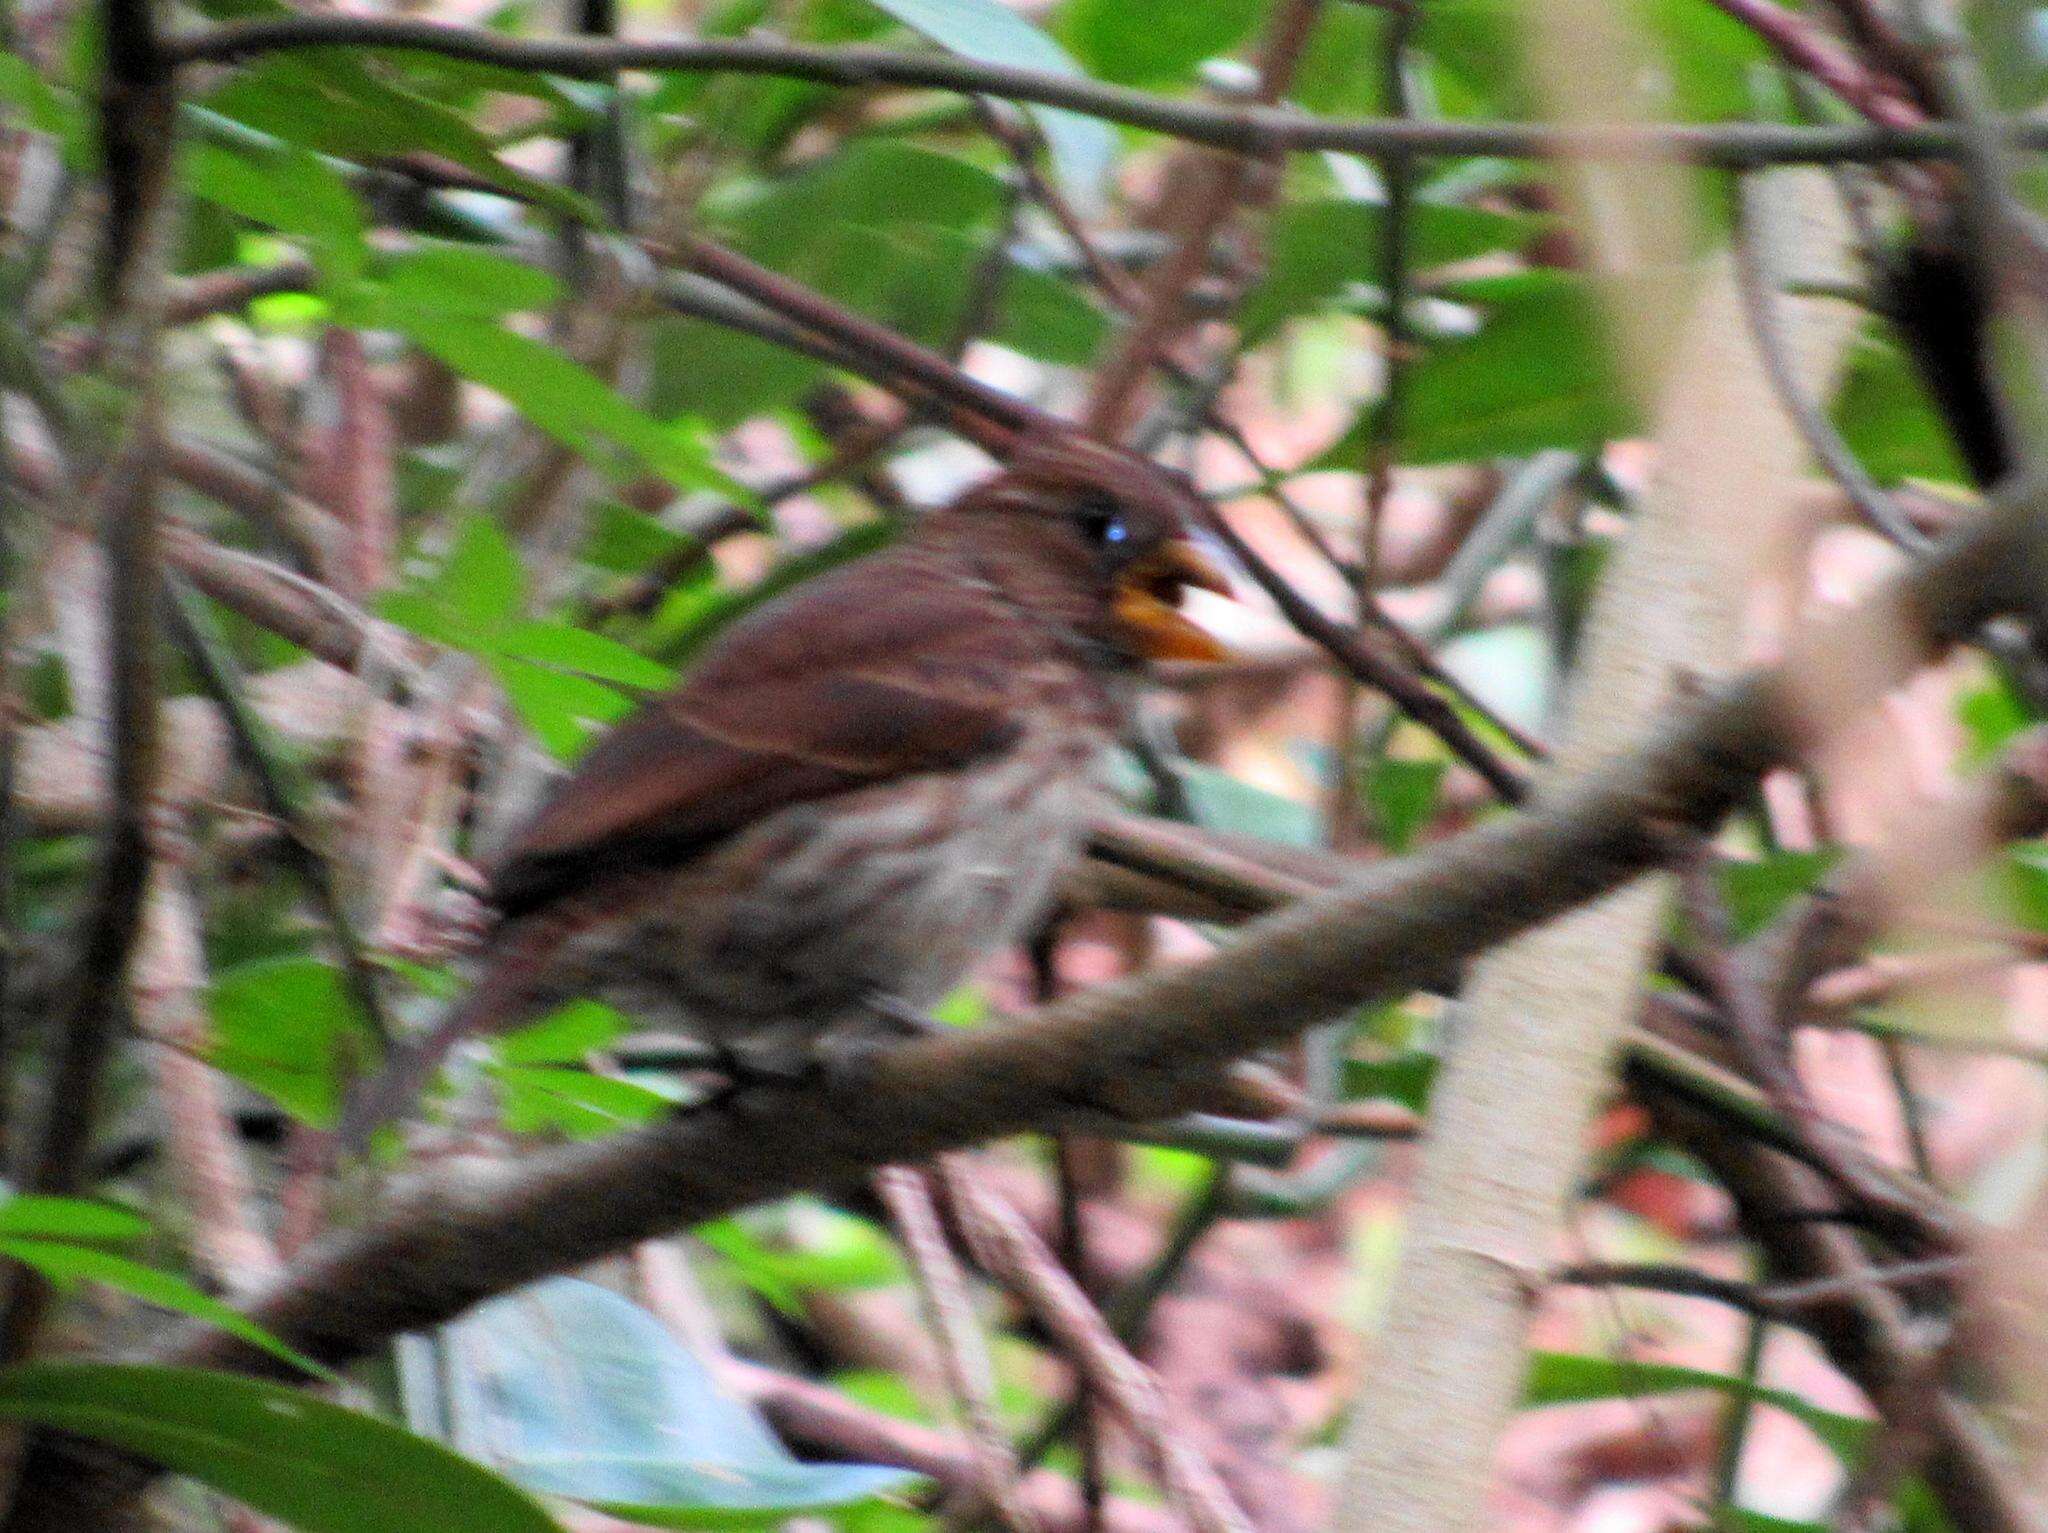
x: 1121, y: 524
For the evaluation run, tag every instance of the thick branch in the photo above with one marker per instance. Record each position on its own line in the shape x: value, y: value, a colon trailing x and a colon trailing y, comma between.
x: 1140, y: 1047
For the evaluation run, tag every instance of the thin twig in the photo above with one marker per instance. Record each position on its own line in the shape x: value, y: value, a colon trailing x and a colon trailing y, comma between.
x: 1007, y: 1246
x: 963, y: 1350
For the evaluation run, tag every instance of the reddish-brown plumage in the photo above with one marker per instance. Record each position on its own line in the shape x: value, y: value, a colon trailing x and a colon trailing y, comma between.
x: 860, y: 791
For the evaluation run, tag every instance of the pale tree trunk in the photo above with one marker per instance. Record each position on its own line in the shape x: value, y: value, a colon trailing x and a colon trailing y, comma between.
x: 1542, y: 1016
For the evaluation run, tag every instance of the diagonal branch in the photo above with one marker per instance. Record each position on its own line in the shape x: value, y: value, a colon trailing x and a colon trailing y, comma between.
x: 1141, y: 1047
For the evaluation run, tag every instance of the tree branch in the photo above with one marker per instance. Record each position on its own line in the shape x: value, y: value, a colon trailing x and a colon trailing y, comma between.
x: 1245, y: 130
x: 1140, y: 1047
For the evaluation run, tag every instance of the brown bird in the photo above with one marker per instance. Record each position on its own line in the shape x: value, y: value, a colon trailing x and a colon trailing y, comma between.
x: 861, y: 791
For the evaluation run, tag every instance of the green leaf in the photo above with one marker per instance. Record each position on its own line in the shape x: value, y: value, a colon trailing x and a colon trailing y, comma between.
x: 66, y: 1263
x: 1318, y: 248
x: 1153, y: 44
x: 1992, y: 715
x: 627, y: 541
x: 291, y: 191
x: 1557, y: 1378
x: 578, y: 1392
x: 592, y: 654
x: 563, y: 710
x: 458, y: 279
x: 561, y: 396
x: 536, y: 1098
x: 290, y: 1028
x: 42, y: 105
x: 1406, y: 1078
x: 320, y: 1467
x: 1537, y: 374
x: 329, y: 100
x: 1403, y: 796
x: 832, y: 1251
x: 564, y: 1035
x: 2024, y: 876
x: 1756, y: 891
x: 482, y: 581
x: 1885, y: 416
x: 468, y: 602
x: 1082, y: 147
x: 869, y: 184
x: 70, y: 1219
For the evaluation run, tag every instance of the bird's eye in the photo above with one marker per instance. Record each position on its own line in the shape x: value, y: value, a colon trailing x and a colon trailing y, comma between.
x: 1102, y: 520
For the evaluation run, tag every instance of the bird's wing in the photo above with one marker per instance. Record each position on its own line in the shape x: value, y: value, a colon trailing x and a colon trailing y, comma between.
x: 876, y: 672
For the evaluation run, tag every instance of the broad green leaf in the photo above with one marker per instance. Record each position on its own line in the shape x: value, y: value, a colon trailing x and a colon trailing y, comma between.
x: 868, y: 184
x: 1316, y: 249
x: 45, y: 108
x: 1153, y: 44
x: 1537, y: 374
x: 70, y: 1219
x: 536, y: 1098
x: 289, y: 1028
x: 1756, y: 891
x: 66, y: 1263
x: 1082, y: 147
x: 482, y: 580
x: 720, y: 376
x: 468, y: 602
x: 563, y: 1035
x: 576, y: 1392
x: 320, y: 1467
x: 456, y: 279
x: 591, y: 654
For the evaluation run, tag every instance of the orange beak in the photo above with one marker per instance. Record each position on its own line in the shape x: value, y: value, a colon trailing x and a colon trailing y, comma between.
x: 1147, y: 604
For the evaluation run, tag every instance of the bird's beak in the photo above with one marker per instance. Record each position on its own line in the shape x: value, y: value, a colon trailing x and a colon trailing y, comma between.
x: 1147, y: 604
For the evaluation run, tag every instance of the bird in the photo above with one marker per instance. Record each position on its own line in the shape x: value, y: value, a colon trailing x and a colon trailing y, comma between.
x: 861, y: 790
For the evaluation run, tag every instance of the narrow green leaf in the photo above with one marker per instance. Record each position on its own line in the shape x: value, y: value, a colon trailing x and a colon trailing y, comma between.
x: 535, y: 1098
x: 578, y: 649
x: 482, y: 580
x: 66, y: 1263
x: 458, y: 279
x: 561, y: 396
x: 562, y: 709
x: 320, y: 1467
x: 291, y: 191
x: 70, y: 1219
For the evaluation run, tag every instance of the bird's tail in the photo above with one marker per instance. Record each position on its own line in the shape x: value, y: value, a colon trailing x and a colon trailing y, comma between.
x: 505, y: 993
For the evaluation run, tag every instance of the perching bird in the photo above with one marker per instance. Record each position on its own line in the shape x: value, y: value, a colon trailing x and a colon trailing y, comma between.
x: 861, y: 791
